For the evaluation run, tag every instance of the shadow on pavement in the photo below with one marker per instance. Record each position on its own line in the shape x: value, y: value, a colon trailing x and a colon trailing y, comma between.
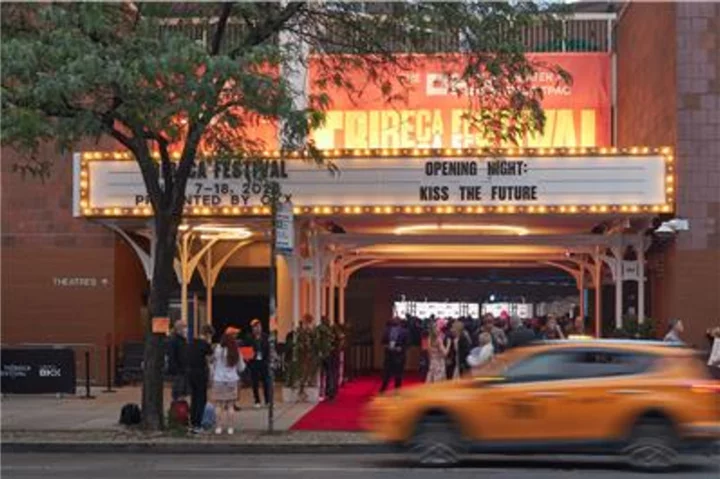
x: 537, y: 463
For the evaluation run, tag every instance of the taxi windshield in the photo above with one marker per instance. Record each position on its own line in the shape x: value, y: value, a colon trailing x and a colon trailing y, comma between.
x: 497, y: 367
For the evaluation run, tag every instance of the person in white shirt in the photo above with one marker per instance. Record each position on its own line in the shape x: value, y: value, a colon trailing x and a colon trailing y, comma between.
x: 226, y: 369
x: 674, y: 331
x: 483, y: 354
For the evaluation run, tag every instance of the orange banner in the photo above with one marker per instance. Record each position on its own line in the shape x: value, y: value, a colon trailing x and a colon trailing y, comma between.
x: 430, y: 116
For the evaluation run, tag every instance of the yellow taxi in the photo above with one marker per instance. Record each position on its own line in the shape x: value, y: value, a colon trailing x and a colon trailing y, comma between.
x: 648, y: 400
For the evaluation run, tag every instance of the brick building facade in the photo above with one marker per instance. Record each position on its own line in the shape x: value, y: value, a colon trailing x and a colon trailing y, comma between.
x: 67, y: 280
x: 669, y: 93
x: 64, y: 280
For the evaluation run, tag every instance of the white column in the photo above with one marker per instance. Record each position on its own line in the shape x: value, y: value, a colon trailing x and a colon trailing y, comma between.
x: 598, y: 294
x: 317, y: 301
x: 618, y: 288
x: 295, y: 268
x: 331, y: 292
x: 324, y: 297
x: 341, y: 318
x: 581, y: 291
x: 641, y: 283
x: 341, y: 303
x: 209, y: 283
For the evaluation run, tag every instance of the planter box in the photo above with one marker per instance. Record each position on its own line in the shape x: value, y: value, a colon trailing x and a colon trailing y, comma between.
x: 310, y: 395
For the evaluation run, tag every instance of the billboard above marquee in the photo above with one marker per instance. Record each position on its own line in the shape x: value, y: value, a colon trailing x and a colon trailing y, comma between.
x: 432, y: 116
x: 428, y: 181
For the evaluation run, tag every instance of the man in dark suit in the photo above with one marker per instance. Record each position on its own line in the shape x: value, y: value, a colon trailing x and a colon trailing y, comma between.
x: 177, y: 361
x: 395, y: 341
x: 259, y: 365
x: 519, y: 334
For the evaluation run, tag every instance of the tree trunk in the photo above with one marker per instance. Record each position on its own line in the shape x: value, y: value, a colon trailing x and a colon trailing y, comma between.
x: 160, y: 290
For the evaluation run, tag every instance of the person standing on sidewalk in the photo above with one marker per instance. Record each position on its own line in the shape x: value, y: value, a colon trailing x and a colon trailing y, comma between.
x: 437, y: 352
x: 463, y: 345
x: 333, y: 368
x: 177, y: 367
x: 484, y: 353
x: 198, y: 354
x: 259, y: 364
x: 519, y: 334
x: 324, y: 348
x: 675, y: 329
x: 227, y: 367
x: 395, y: 341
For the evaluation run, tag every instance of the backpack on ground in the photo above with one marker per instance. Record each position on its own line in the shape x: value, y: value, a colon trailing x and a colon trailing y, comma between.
x: 179, y: 412
x: 208, y: 419
x: 130, y: 415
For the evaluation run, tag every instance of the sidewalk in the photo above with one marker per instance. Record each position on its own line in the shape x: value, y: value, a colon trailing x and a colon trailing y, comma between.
x: 75, y: 414
x: 74, y: 424
x: 48, y: 423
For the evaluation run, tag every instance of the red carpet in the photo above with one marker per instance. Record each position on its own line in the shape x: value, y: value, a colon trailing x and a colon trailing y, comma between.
x: 344, y: 413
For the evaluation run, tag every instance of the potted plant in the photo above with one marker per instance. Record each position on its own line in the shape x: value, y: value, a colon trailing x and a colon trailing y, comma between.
x: 301, y: 374
x: 632, y: 329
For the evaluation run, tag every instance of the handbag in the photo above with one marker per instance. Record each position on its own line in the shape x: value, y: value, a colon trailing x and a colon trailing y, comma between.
x: 714, y: 359
x: 241, y: 365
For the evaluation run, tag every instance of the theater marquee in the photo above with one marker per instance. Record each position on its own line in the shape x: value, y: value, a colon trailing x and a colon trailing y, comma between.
x: 569, y: 181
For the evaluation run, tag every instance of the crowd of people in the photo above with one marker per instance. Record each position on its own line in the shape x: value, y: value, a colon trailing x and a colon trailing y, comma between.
x: 202, y: 364
x: 450, y: 348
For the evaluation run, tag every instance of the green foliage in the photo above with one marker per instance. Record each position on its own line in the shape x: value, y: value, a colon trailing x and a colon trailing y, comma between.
x: 632, y: 329
x: 305, y: 363
x: 310, y: 346
x: 324, y: 341
x: 78, y: 70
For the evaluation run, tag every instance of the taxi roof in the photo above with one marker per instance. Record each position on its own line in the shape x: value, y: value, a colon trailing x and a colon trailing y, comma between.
x: 659, y: 347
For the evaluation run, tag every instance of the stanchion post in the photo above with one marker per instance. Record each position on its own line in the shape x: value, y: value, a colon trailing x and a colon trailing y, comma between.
x: 108, y: 363
x: 108, y: 366
x: 87, y: 377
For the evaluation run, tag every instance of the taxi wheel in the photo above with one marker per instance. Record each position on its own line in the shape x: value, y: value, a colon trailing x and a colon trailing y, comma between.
x: 652, y: 446
x: 436, y: 442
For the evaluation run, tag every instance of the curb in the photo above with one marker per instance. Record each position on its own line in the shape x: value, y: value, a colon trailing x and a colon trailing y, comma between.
x: 191, y: 448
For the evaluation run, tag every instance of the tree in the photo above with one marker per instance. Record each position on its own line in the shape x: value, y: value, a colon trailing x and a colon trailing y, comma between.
x: 72, y: 71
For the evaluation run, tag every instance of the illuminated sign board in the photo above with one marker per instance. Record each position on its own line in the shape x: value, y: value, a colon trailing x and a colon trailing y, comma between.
x: 406, y: 182
x: 432, y: 115
x: 428, y: 309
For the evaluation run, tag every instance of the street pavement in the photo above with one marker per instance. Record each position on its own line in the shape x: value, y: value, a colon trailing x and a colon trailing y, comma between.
x: 116, y: 466
x: 73, y: 413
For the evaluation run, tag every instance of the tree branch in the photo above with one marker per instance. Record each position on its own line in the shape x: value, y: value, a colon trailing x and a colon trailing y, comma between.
x: 142, y: 156
x: 220, y: 28
x: 269, y: 27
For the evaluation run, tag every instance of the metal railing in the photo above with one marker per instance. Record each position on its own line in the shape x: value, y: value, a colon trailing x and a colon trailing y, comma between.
x: 359, y: 359
x: 580, y: 32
